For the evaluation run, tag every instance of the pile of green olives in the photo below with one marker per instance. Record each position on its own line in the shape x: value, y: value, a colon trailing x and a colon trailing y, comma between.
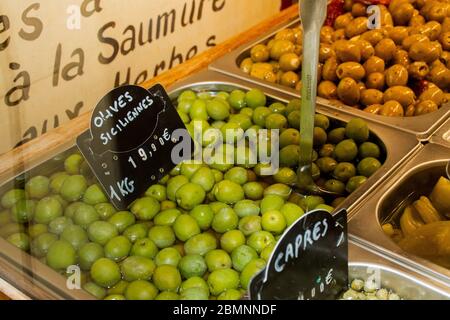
x: 400, y: 69
x: 203, y: 231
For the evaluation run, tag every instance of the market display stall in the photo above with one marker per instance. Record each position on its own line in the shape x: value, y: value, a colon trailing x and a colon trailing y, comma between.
x: 381, y: 141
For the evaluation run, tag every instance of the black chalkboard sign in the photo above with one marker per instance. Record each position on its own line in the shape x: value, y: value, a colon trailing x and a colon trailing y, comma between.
x: 129, y: 145
x: 309, y: 262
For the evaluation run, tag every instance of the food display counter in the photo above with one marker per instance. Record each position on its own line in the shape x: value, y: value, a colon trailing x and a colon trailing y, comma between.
x: 380, y: 166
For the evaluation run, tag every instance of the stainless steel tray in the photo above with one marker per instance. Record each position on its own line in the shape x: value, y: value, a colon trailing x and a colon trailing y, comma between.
x: 41, y: 282
x: 406, y: 282
x: 421, y: 126
x: 399, y: 146
x: 418, y: 175
x: 442, y: 135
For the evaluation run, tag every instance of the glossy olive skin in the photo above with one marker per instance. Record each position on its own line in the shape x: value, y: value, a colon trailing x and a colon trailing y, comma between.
x: 418, y: 70
x: 356, y: 27
x: 374, y: 108
x: 401, y: 57
x: 424, y: 107
x: 329, y: 69
x: 371, y: 96
x: 375, y: 80
x: 440, y: 75
x: 347, y: 50
x: 348, y: 91
x: 433, y: 93
x: 260, y: 53
x: 327, y: 90
x: 352, y: 70
x: 392, y: 108
x: 367, y: 50
x: 398, y: 34
x: 385, y: 49
x: 425, y: 51
x: 397, y: 75
x: 372, y: 36
x: 374, y: 64
x: 404, y: 95
x: 410, y: 40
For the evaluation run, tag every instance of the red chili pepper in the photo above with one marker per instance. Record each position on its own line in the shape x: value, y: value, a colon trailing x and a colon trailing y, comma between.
x: 335, y: 9
x: 419, y: 86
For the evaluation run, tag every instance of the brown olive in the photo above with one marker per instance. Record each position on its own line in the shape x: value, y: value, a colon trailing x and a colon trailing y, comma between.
x: 343, y: 21
x: 415, y: 38
x: 440, y: 76
x: 361, y: 86
x: 371, y: 96
x: 392, y: 109
x: 386, y: 17
x: 348, y: 91
x: 385, y: 49
x: 290, y: 79
x: 446, y: 98
x: 445, y: 58
x: 359, y: 9
x: 259, y: 53
x: 397, y: 75
x: 289, y: 62
x: 270, y: 44
x: 347, y: 50
x: 431, y: 29
x: 446, y: 25
x: 403, y: 13
x: 394, y: 4
x: 351, y: 69
x: 444, y: 39
x: 374, y: 64
x: 367, y: 50
x: 434, y: 93
x: 418, y: 70
x: 410, y: 110
x: 281, y: 47
x: 375, y: 80
x: 348, y: 4
x: 326, y: 51
x: 275, y: 66
x: 437, y: 12
x: 285, y: 34
x: 279, y: 74
x: 425, y: 51
x: 404, y: 95
x: 339, y: 35
x: 329, y: 69
x: 319, y: 72
x: 374, y: 109
x: 327, y: 89
x: 356, y: 27
x: 426, y: 7
x: 398, y: 34
x: 298, y: 49
x: 260, y: 70
x: 420, y: 3
x: 326, y: 34
x: 373, y: 36
x: 401, y: 57
x: 298, y: 35
x: 417, y: 20
x: 246, y: 65
x: 424, y: 107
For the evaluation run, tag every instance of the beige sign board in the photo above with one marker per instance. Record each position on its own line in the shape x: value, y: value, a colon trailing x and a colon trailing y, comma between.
x: 59, y: 57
